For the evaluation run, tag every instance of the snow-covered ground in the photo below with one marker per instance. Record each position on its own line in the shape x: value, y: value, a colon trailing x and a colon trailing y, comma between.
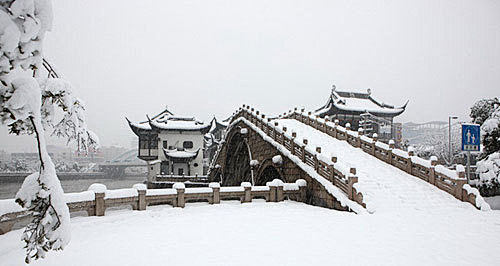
x: 385, y: 188
x: 259, y: 233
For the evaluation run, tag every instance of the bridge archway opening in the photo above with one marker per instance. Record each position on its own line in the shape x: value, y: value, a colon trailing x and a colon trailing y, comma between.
x: 237, y: 164
x: 267, y: 174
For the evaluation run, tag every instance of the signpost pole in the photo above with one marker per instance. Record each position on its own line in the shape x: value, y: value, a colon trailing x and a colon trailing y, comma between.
x: 468, y: 167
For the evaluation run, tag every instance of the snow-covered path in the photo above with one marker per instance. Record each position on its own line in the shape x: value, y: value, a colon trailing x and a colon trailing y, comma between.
x: 260, y: 233
x: 385, y: 188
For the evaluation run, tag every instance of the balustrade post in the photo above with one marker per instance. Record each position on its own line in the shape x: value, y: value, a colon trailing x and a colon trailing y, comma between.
x: 351, y: 180
x: 99, y: 204
x: 181, y: 201
x: 141, y: 196
x: 303, y: 148
x: 332, y: 173
x: 272, y: 192
x: 459, y: 183
x: 279, y: 193
x: 389, y: 152
x: 248, y: 192
x: 302, y: 189
x: 316, y: 161
x: 215, y: 192
x: 410, y: 163
x: 432, y: 170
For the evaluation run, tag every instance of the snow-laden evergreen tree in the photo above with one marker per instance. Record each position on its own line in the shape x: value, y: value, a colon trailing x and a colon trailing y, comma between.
x: 486, y: 113
x: 28, y: 105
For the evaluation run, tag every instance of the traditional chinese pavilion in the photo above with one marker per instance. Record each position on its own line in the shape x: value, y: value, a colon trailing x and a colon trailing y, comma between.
x: 361, y: 110
x: 172, y: 145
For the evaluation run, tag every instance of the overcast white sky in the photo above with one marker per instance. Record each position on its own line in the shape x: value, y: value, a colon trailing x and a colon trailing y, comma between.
x: 205, y: 58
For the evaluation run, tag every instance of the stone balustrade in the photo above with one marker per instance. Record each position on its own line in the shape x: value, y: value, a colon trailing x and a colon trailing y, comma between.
x: 97, y: 199
x: 328, y: 168
x: 428, y: 170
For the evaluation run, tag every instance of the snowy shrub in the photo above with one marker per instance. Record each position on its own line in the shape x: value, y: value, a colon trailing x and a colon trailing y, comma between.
x: 489, y: 171
x: 28, y: 105
x: 486, y: 112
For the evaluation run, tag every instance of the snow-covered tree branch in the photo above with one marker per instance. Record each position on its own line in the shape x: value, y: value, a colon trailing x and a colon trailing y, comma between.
x: 28, y: 105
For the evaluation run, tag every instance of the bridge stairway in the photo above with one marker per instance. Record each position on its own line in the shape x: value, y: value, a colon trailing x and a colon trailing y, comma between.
x: 385, y: 188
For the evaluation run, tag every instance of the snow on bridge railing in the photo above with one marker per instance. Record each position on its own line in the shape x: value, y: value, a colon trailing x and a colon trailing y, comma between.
x: 97, y: 198
x: 336, y: 177
x: 453, y: 182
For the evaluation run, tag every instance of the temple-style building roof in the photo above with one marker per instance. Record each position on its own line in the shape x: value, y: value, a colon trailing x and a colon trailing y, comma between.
x: 357, y: 103
x: 167, y: 121
x: 180, y: 155
x: 216, y: 125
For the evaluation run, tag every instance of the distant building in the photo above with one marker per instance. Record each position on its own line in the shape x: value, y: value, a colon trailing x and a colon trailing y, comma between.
x: 361, y: 110
x: 172, y: 145
x: 213, y: 139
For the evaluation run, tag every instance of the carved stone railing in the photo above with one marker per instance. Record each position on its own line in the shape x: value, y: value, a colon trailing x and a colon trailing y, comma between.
x: 428, y: 170
x: 97, y: 199
x: 338, y: 174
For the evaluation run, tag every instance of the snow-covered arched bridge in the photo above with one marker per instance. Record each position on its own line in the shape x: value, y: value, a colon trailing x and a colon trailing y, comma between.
x: 343, y: 169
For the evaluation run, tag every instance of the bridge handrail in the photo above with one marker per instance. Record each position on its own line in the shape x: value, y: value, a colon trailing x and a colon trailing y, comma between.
x: 334, y: 172
x: 445, y: 179
x: 96, y: 202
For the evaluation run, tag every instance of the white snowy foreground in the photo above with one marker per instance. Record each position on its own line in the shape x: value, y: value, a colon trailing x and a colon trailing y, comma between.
x: 285, y: 233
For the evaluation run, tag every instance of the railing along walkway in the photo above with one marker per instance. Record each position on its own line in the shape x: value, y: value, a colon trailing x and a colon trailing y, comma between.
x: 453, y: 182
x: 98, y: 198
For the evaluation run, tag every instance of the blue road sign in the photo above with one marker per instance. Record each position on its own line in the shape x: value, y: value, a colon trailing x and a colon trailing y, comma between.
x: 471, y: 137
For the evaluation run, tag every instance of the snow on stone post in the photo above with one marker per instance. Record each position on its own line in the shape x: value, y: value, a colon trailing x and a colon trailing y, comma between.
x: 248, y: 192
x: 216, y: 192
x: 348, y: 126
x: 389, y: 152
x: 409, y: 163
x: 316, y: 161
x: 181, y: 201
x: 432, y: 170
x: 141, y: 196
x: 303, y: 150
x: 411, y: 151
x: 392, y: 144
x: 272, y: 192
x: 99, y: 204
x: 460, y: 182
x: 99, y: 191
x: 351, y: 180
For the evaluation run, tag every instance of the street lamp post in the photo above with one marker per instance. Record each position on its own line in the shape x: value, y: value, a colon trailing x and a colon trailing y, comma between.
x: 449, y: 137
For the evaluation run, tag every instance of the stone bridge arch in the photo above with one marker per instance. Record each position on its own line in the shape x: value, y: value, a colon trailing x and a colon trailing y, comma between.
x: 232, y: 163
x: 237, y: 160
x: 267, y: 171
